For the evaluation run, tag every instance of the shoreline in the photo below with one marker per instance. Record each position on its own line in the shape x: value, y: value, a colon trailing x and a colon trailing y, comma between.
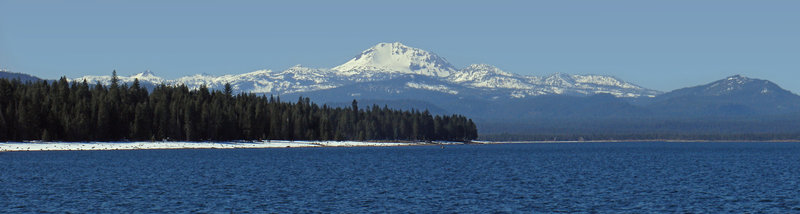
x: 148, y: 145
x: 155, y: 145
x: 646, y: 141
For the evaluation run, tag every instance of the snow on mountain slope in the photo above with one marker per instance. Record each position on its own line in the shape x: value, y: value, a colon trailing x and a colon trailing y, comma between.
x: 294, y: 79
x: 490, y: 77
x: 439, y: 88
x: 146, y: 77
x: 390, y: 61
x: 560, y: 83
x: 487, y: 76
x: 738, y: 83
x: 395, y: 58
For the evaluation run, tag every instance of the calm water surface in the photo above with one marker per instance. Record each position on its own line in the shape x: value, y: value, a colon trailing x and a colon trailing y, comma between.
x: 586, y: 177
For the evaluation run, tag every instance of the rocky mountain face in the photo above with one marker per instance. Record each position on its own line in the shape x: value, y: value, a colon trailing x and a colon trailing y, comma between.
x: 392, y: 61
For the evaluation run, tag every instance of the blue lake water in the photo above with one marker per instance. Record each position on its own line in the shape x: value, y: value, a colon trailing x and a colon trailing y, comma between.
x: 585, y: 177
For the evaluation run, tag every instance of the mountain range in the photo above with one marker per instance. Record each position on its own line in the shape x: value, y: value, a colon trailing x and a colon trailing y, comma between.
x: 400, y: 76
x: 391, y: 61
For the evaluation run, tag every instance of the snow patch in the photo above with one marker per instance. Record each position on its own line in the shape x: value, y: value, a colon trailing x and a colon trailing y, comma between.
x: 439, y: 88
x: 72, y: 146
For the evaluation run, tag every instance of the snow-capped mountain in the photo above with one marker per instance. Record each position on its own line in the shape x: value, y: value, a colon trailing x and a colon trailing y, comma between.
x: 147, y: 76
x: 387, y: 61
x: 294, y: 79
x: 487, y: 76
x: 395, y: 58
x: 490, y: 77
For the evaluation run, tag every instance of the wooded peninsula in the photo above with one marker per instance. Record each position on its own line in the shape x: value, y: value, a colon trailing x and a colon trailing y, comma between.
x: 79, y: 111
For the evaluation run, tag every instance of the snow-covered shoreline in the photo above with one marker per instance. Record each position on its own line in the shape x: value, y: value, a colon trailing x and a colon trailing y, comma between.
x: 139, y: 145
x: 142, y: 145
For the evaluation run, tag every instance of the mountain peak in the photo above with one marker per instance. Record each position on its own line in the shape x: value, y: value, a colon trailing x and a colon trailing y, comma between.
x: 396, y: 58
x: 484, y: 69
x: 738, y: 78
x: 391, y: 44
x: 734, y: 82
x: 559, y: 79
x: 147, y: 75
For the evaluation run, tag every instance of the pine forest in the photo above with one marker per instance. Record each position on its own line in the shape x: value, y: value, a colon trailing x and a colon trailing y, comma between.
x: 79, y: 111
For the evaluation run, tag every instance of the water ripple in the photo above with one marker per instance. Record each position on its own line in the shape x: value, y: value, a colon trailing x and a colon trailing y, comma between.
x: 591, y: 177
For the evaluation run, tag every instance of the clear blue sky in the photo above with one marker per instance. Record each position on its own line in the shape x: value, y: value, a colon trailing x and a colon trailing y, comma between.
x: 662, y: 45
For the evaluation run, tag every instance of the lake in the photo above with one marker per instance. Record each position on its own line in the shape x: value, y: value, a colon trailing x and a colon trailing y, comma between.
x: 557, y: 177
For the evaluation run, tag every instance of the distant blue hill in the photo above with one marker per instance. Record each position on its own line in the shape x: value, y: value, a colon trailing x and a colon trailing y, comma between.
x: 20, y: 76
x: 732, y: 96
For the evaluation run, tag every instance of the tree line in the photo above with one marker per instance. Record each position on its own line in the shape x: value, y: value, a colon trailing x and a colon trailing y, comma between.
x: 756, y: 128
x: 77, y: 111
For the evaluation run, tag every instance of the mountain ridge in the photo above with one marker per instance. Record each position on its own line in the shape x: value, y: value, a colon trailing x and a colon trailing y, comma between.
x: 5, y: 74
x: 733, y: 95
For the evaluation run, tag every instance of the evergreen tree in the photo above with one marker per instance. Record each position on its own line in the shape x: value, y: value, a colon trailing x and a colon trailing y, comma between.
x: 114, y: 79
